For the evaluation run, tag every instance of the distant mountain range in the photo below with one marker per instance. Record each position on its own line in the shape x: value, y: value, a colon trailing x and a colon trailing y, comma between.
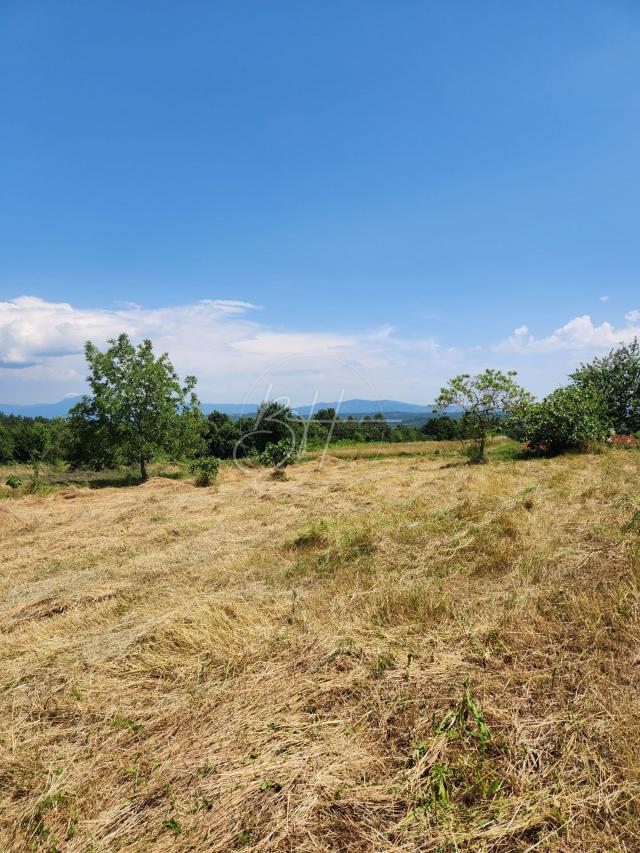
x: 40, y: 410
x: 393, y: 409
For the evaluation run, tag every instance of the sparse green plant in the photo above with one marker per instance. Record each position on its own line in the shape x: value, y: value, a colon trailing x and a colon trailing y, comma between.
x: 13, y: 481
x: 466, y: 718
x: 120, y: 722
x: 174, y: 825
x: 383, y: 662
x: 633, y: 524
x: 35, y: 483
x: 417, y: 750
x: 270, y: 785
x: 315, y: 536
x: 439, y: 780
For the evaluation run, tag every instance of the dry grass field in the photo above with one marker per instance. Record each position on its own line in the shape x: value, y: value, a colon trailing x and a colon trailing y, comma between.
x: 396, y: 654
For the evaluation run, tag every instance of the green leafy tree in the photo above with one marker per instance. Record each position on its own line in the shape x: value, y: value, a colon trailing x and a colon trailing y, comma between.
x: 222, y: 435
x: 615, y: 378
x: 570, y: 418
x: 138, y: 408
x: 274, y: 422
x: 6, y: 444
x: 39, y: 439
x: 441, y: 428
x: 485, y: 400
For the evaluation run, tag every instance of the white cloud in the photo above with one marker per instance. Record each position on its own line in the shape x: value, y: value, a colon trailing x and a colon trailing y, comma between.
x: 577, y: 335
x: 273, y: 344
x: 32, y: 330
x: 237, y: 355
x: 604, y: 298
x: 233, y: 355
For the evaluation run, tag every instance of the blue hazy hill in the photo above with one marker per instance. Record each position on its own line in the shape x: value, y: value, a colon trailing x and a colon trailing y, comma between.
x: 345, y: 408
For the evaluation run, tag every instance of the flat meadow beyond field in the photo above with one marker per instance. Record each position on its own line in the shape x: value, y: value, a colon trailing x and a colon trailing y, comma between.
x: 391, y: 654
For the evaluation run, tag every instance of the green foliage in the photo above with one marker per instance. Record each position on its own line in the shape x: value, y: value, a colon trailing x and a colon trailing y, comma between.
x: 464, y: 773
x: 485, y: 400
x: 173, y: 825
x: 442, y: 428
x: 474, y: 452
x: 35, y: 483
x: 570, y: 418
x: 13, y: 481
x: 275, y: 424
x: 615, y: 379
x: 440, y: 777
x: 270, y: 785
x: 222, y: 435
x: 206, y: 470
x: 25, y: 439
x: 383, y: 662
x: 138, y: 409
x: 120, y: 722
x: 6, y: 444
x: 467, y: 719
x: 278, y: 455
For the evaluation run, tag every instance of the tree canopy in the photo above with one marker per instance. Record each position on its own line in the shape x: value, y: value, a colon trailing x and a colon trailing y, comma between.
x: 615, y: 379
x: 138, y: 408
x: 484, y: 400
x: 570, y: 418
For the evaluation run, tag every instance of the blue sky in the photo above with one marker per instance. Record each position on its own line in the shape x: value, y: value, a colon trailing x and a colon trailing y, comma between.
x: 366, y: 195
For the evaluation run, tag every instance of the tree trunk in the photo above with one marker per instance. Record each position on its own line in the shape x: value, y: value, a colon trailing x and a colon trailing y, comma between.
x: 482, y: 442
x: 143, y: 468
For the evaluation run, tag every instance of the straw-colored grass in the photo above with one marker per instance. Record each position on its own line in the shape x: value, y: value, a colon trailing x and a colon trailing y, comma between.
x: 279, y: 666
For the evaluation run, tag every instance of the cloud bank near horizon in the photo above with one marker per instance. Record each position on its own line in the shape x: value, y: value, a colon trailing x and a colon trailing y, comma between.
x: 236, y: 357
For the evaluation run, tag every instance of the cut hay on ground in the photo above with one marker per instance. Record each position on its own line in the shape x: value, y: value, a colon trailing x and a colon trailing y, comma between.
x: 279, y: 666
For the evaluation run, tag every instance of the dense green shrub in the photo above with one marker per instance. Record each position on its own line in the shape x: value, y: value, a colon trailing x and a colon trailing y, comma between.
x: 206, y: 470
x: 615, y: 378
x: 278, y: 455
x: 570, y: 418
x: 23, y: 439
x: 13, y: 481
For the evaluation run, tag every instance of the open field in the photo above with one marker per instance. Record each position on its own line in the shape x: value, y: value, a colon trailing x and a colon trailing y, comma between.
x: 60, y: 475
x: 279, y: 666
x: 378, y: 449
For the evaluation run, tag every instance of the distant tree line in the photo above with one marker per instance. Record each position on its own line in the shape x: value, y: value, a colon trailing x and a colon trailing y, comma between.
x: 139, y: 410
x: 24, y: 439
